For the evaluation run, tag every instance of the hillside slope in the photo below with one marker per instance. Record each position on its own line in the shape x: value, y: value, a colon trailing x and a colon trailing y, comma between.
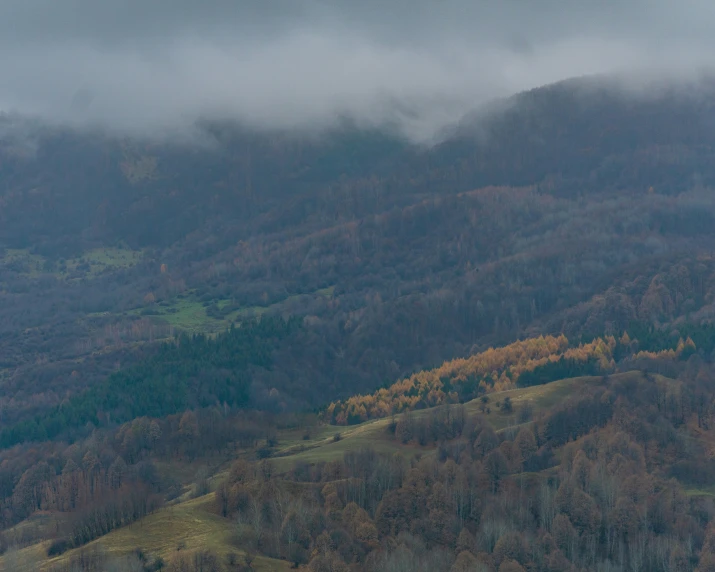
x: 345, y: 351
x: 192, y: 524
x: 570, y: 208
x: 593, y: 457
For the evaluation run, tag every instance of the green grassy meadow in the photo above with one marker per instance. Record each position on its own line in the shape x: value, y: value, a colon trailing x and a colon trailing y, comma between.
x: 90, y: 264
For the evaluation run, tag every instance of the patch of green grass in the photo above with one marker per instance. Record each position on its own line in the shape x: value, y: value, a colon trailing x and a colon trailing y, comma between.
x: 22, y: 262
x: 193, y: 525
x: 290, y: 438
x: 541, y: 398
x: 89, y: 265
x: 322, y: 446
x: 39, y: 525
x: 113, y: 257
x: 97, y: 261
x: 187, y: 312
x: 701, y: 492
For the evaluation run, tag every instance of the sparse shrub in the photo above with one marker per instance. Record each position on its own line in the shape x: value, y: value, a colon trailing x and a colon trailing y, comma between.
x: 201, y: 488
x: 140, y: 554
x: 526, y: 413
x: 58, y: 546
x: 264, y: 452
x: 155, y: 566
x: 392, y: 426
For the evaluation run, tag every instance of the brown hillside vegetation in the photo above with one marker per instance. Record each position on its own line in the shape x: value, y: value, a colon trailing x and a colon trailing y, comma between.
x: 588, y: 484
x: 437, y: 487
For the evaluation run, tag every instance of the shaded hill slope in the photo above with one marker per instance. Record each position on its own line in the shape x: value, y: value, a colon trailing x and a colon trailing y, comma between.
x: 570, y: 209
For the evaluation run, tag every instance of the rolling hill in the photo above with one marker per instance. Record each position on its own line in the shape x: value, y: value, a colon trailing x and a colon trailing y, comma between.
x: 194, y: 523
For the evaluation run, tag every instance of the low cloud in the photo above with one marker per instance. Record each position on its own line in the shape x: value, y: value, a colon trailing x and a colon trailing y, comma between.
x: 155, y: 67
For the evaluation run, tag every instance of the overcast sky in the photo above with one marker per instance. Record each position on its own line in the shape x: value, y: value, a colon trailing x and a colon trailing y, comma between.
x: 154, y: 64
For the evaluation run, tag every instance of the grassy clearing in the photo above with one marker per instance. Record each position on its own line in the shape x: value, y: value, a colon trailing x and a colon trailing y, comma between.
x: 98, y: 261
x: 187, y: 312
x: 190, y: 525
x: 89, y: 265
x: 113, y: 257
x: 323, y: 448
x: 292, y: 440
x: 22, y: 262
x: 540, y: 398
x: 38, y: 526
x: 704, y: 492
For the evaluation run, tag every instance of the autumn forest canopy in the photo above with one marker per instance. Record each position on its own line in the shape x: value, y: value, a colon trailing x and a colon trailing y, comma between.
x: 342, y: 351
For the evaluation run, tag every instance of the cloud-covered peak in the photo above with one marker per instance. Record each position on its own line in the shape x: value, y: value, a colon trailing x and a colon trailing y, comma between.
x: 161, y: 65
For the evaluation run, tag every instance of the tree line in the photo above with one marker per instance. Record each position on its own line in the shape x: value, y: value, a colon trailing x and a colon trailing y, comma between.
x: 533, y: 361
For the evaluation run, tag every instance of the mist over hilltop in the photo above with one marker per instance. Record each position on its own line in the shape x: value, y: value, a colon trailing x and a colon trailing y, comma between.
x: 418, y: 66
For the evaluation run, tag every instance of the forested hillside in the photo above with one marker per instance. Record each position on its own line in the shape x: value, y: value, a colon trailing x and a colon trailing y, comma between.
x: 609, y: 471
x: 570, y: 209
x: 518, y: 321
